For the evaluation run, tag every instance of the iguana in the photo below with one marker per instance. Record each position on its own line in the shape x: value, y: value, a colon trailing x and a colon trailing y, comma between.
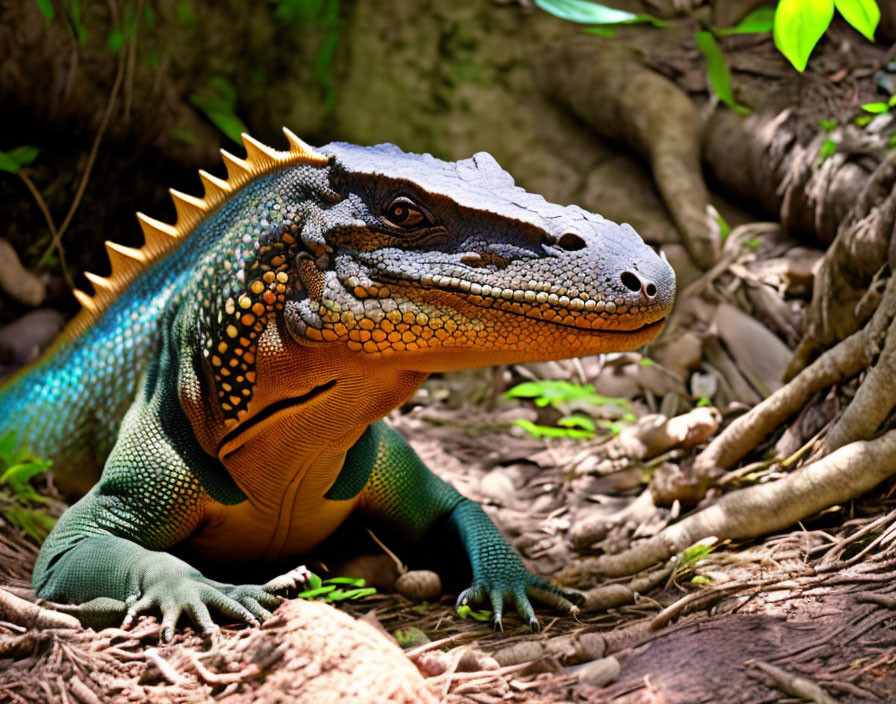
x: 230, y: 376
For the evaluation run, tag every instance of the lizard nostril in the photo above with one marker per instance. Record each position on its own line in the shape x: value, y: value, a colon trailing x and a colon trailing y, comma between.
x: 571, y: 242
x: 631, y: 281
x: 636, y: 284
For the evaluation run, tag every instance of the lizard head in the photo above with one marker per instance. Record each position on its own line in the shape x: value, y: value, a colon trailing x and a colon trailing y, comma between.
x: 442, y: 265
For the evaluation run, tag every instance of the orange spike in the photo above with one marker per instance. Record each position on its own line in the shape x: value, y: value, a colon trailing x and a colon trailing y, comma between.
x: 156, y: 234
x: 259, y: 154
x: 85, y: 300
x: 305, y: 150
x: 100, y: 283
x: 162, y: 238
x: 189, y: 208
x: 215, y: 188
x: 237, y: 169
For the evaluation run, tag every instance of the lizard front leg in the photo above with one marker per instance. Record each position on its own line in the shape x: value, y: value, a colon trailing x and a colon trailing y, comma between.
x: 410, y: 499
x: 108, y: 548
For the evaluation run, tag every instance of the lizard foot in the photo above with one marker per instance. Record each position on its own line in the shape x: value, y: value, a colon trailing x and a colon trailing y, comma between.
x: 519, y: 588
x: 193, y: 594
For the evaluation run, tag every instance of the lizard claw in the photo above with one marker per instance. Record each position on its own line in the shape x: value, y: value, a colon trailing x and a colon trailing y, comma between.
x: 291, y: 580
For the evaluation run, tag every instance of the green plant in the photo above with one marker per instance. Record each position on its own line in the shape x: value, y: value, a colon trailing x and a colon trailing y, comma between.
x: 13, y: 160
x: 553, y: 393
x: 20, y: 504
x: 466, y: 612
x: 218, y: 101
x: 686, y: 561
x: 584, y: 12
x: 799, y: 24
x: 331, y: 590
x: 717, y: 71
x: 827, y: 149
x: 562, y: 394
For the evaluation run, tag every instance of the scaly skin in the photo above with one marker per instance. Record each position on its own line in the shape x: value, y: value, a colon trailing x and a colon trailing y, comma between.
x: 233, y: 391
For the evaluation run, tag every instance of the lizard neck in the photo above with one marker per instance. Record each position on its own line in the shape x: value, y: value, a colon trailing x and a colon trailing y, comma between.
x: 309, y: 406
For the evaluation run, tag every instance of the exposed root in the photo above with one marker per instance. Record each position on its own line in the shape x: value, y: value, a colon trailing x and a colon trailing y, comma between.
x: 612, y: 90
x: 794, y: 684
x: 873, y: 401
x: 589, y: 529
x: 862, y: 244
x: 24, y: 613
x: 763, y: 508
x: 654, y: 434
x: 744, y: 433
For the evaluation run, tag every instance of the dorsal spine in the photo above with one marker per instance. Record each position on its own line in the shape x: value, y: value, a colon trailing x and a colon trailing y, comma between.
x: 161, y: 239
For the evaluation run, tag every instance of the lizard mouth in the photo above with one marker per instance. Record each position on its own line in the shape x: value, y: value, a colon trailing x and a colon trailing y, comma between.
x: 559, y: 310
x: 582, y: 321
x: 590, y: 325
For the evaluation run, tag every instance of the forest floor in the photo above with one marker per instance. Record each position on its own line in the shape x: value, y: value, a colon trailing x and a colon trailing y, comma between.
x: 802, y: 614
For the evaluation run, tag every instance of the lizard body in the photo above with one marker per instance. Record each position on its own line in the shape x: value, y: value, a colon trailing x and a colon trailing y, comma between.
x: 223, y: 389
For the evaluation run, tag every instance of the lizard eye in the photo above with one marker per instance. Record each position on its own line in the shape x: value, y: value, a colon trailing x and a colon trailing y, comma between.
x: 403, y: 212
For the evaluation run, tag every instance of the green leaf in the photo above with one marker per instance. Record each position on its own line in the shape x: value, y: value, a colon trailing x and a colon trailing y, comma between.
x: 863, y: 15
x: 701, y: 579
x: 341, y: 595
x: 7, y: 446
x: 23, y: 155
x: 827, y: 125
x: 862, y: 120
x: 8, y: 164
x: 73, y: 12
x: 33, y: 522
x: 17, y: 157
x: 577, y: 421
x: 704, y: 400
x: 466, y: 612
x: 752, y: 243
x: 724, y: 227
x: 46, y: 7
x: 758, y: 21
x: 314, y: 593
x: 185, y: 14
x: 606, y: 32
x: 799, y: 25
x: 585, y: 12
x: 717, y: 70
x: 218, y: 103
x: 115, y: 40
x: 827, y: 149
x: 314, y: 582
x: 549, y: 431
x: 352, y: 581
x: 149, y: 18
x: 892, y: 101
x: 876, y: 108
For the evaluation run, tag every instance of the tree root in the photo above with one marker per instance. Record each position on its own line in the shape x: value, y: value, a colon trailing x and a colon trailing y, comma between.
x: 794, y: 684
x: 653, y: 435
x: 849, y: 357
x: 863, y: 243
x: 24, y: 613
x: 763, y: 508
x: 609, y: 88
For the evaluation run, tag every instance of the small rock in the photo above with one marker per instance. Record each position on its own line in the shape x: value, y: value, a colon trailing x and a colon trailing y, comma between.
x: 600, y: 672
x: 16, y: 280
x: 498, y: 487
x: 419, y: 585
